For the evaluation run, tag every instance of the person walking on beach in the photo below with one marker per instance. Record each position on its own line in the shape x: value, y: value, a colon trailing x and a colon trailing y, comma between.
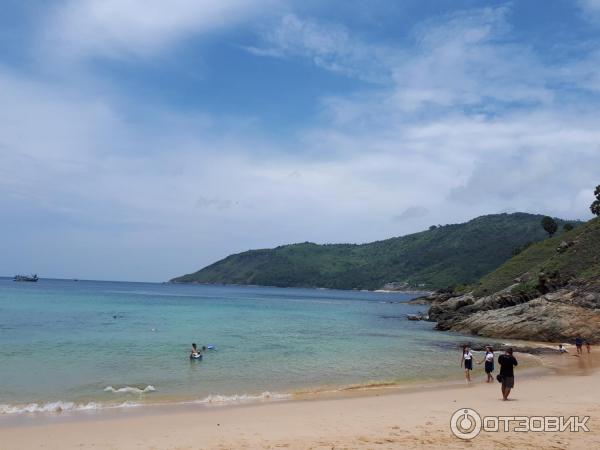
x: 588, y: 346
x: 579, y: 345
x: 467, y: 360
x: 507, y: 375
x: 489, y: 363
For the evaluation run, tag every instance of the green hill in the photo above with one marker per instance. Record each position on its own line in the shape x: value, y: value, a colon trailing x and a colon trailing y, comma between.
x: 444, y: 256
x: 574, y: 254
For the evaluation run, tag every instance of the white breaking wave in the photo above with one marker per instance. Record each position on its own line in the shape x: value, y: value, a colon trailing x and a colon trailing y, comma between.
x: 63, y: 406
x: 59, y: 406
x: 130, y: 389
x: 243, y: 398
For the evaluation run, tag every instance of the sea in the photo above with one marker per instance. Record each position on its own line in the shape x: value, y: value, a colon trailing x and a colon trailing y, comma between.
x: 70, y: 345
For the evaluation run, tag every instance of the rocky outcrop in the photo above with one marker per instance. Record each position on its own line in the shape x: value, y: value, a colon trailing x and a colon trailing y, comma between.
x: 501, y: 347
x: 433, y: 298
x: 550, y: 291
x: 416, y: 317
x: 560, y: 315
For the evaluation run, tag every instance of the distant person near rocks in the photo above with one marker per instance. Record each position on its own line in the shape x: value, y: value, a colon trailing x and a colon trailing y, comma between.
x: 579, y: 345
x: 507, y: 375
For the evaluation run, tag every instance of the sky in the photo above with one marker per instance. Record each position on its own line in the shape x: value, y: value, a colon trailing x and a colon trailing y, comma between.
x: 144, y: 139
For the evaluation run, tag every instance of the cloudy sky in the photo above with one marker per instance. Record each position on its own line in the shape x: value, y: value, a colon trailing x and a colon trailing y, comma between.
x: 143, y: 139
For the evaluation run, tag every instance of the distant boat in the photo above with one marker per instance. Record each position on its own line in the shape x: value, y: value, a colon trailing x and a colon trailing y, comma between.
x: 32, y: 278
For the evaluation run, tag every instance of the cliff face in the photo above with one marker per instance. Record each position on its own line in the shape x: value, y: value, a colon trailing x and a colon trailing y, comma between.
x: 553, y: 295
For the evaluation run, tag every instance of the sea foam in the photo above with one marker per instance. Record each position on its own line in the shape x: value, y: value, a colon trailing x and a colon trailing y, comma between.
x: 242, y: 398
x: 64, y: 406
x: 130, y: 389
x: 58, y: 407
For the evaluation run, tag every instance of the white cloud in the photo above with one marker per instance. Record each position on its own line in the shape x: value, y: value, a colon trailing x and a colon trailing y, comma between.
x: 468, y: 59
x: 123, y: 28
x: 329, y: 46
x: 591, y: 8
x: 463, y: 59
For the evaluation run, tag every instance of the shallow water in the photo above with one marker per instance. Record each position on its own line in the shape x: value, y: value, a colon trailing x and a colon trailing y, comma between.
x: 88, y: 344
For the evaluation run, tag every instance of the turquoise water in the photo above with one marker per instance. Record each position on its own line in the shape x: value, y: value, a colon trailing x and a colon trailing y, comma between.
x: 85, y: 345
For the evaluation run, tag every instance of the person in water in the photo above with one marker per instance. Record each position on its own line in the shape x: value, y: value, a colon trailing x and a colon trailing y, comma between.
x: 489, y: 363
x: 467, y: 360
x: 507, y: 375
x: 194, y: 353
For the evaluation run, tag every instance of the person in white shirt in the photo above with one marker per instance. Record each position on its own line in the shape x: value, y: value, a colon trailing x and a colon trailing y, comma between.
x: 467, y: 360
x: 489, y: 363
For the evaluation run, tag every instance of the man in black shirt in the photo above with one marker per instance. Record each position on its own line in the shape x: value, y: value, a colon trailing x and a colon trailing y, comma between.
x: 507, y: 363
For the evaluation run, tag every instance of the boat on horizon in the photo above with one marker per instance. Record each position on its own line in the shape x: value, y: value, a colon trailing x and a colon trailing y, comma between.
x: 32, y: 278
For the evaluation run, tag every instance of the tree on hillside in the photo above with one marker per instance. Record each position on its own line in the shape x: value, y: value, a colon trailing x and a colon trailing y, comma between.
x: 595, y: 206
x: 550, y: 225
x: 568, y: 227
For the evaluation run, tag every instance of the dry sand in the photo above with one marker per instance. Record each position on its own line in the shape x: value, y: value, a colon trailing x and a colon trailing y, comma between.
x: 377, y: 419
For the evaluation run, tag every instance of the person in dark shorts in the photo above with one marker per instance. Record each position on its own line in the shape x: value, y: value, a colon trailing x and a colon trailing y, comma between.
x: 579, y: 345
x: 467, y: 360
x: 507, y: 375
x: 489, y: 363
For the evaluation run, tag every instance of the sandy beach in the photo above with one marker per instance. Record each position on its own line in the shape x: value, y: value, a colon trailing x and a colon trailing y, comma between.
x: 383, y: 418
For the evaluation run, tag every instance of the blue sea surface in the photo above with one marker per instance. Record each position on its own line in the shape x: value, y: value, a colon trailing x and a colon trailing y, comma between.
x: 86, y: 344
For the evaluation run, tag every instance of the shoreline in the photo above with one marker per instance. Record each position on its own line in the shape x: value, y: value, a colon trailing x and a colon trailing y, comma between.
x: 531, y: 365
x: 380, y: 291
x: 383, y: 417
x: 183, y: 407
x: 32, y: 411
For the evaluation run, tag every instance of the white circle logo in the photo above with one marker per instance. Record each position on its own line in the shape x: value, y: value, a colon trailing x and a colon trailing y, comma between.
x: 465, y: 423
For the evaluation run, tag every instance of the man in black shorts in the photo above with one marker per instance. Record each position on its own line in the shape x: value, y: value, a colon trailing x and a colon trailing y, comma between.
x: 579, y: 345
x: 507, y: 363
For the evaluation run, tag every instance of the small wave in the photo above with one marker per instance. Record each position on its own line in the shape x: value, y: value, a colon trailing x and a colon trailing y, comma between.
x: 130, y: 389
x: 58, y: 407
x: 156, y: 294
x: 64, y: 406
x: 243, y: 398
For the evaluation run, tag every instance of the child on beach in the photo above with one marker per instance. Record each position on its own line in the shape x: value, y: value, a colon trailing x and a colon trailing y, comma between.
x: 467, y: 360
x: 489, y: 363
x: 562, y: 349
